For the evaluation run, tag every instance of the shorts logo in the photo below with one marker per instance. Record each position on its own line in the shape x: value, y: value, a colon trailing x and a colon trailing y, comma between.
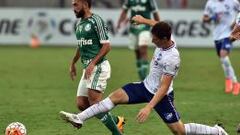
x: 227, y: 45
x: 168, y: 116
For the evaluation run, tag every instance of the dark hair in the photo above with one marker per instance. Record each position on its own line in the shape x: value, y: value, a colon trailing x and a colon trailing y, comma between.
x: 162, y: 30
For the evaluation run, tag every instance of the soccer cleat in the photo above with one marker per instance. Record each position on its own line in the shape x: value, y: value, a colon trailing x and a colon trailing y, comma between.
x: 236, y: 87
x: 221, y: 131
x: 228, y: 86
x: 71, y: 118
x: 120, y: 124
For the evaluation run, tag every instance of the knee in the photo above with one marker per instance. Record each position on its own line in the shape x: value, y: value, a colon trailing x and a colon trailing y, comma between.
x: 93, y: 100
x: 223, y: 53
x: 118, y: 97
x: 178, y: 132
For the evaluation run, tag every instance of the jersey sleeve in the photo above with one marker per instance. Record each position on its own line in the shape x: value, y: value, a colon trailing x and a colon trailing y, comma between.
x: 208, y: 10
x: 153, y: 6
x: 101, y: 29
x: 171, y: 66
x: 126, y: 5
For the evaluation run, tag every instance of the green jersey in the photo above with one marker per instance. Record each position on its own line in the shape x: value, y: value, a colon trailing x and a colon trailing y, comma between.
x: 140, y: 7
x: 91, y: 34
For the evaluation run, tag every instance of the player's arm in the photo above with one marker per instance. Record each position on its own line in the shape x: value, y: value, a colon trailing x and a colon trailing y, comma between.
x: 102, y: 33
x: 122, y: 18
x: 209, y: 14
x: 206, y: 19
x: 154, y: 9
x: 72, y: 70
x: 161, y: 92
x: 138, y: 19
x: 235, y: 34
x: 103, y: 51
x: 156, y: 16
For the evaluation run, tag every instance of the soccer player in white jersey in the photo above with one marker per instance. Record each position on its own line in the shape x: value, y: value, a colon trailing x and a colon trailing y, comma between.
x: 156, y: 90
x: 223, y: 13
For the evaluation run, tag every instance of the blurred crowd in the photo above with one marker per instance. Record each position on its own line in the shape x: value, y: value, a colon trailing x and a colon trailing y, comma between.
x: 163, y: 4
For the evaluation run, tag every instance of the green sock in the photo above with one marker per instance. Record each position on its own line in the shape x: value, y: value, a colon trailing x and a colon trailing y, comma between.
x: 145, y: 66
x: 139, y: 69
x: 142, y: 67
x: 115, y: 118
x: 110, y: 122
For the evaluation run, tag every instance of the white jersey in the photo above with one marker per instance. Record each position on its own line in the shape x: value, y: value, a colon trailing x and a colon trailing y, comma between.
x: 164, y: 61
x: 226, y: 11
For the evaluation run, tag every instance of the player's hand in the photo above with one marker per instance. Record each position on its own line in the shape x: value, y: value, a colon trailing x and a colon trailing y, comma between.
x: 217, y: 17
x: 138, y: 19
x: 89, y: 70
x: 73, y: 72
x: 143, y: 114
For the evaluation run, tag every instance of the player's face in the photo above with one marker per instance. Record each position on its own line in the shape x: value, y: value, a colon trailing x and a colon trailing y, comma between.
x: 78, y: 9
x: 158, y: 42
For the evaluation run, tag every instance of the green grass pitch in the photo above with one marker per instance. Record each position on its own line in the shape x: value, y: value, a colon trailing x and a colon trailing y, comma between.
x: 35, y: 86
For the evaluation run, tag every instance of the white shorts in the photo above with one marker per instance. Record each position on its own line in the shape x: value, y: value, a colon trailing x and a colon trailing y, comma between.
x: 97, y: 81
x: 144, y: 38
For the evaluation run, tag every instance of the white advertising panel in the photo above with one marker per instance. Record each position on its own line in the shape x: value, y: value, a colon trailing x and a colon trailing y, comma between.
x: 56, y: 26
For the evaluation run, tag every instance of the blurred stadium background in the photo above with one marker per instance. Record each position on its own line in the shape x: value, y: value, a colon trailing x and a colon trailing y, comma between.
x: 35, y: 86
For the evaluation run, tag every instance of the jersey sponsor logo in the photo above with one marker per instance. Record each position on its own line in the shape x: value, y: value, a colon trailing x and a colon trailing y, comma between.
x: 138, y: 8
x: 84, y: 41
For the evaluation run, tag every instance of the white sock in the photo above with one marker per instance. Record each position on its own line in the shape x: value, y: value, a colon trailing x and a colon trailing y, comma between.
x: 199, y: 129
x: 101, y: 107
x: 228, y: 69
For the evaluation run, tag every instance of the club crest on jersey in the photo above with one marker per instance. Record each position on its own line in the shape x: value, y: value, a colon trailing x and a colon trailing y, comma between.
x: 84, y: 41
x: 87, y: 27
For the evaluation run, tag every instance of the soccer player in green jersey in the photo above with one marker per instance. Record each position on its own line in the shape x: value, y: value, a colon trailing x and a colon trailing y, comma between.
x: 140, y: 36
x: 93, y: 45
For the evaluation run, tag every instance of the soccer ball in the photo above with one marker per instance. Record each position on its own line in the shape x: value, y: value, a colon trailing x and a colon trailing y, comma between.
x: 16, y: 128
